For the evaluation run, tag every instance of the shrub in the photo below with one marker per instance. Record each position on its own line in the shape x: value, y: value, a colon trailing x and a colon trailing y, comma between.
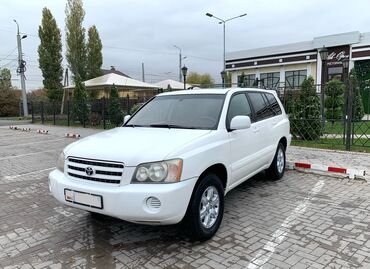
x: 357, y: 104
x: 306, y: 118
x: 135, y: 107
x: 95, y: 119
x: 9, y: 103
x: 81, y: 108
x: 334, y: 100
x: 115, y: 110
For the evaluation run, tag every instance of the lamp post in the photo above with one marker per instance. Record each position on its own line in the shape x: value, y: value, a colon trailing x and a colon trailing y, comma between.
x: 21, y: 69
x: 223, y: 22
x: 180, y: 61
x: 223, y: 76
x: 324, y: 57
x: 184, y: 70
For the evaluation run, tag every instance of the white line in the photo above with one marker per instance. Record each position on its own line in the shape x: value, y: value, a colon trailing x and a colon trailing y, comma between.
x: 29, y: 173
x: 43, y: 141
x: 279, y: 235
x: 27, y: 154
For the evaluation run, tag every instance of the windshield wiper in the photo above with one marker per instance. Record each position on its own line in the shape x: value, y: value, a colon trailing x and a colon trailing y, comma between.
x: 135, y: 125
x: 164, y: 125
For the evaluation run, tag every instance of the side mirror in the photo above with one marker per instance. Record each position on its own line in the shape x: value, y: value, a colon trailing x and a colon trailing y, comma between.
x: 126, y: 118
x: 240, y: 122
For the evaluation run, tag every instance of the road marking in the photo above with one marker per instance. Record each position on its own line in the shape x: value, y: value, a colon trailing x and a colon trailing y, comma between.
x: 27, y: 154
x: 29, y: 173
x: 30, y: 143
x: 279, y: 235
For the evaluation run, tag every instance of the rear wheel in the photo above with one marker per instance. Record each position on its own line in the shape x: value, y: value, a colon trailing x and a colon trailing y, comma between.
x: 277, y: 167
x: 206, y: 208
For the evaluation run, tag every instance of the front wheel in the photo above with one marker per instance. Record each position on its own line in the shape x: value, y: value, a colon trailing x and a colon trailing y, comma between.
x: 206, y: 208
x: 277, y: 167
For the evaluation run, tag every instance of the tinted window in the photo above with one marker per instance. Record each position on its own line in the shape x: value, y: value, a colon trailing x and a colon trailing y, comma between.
x: 260, y: 107
x: 194, y: 111
x: 239, y: 106
x: 274, y: 105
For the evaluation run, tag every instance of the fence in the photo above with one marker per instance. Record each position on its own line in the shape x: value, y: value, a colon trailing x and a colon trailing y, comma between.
x: 97, y: 116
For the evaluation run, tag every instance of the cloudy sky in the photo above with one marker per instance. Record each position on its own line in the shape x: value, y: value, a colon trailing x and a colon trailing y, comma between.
x: 136, y: 31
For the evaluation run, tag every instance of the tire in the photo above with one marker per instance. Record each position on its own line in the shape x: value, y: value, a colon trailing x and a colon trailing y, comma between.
x: 277, y: 167
x: 195, y: 224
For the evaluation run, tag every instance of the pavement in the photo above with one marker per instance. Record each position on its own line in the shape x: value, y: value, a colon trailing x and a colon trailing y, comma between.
x: 301, y: 221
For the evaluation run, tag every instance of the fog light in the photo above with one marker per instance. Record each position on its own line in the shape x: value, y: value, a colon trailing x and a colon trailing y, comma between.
x: 153, y: 203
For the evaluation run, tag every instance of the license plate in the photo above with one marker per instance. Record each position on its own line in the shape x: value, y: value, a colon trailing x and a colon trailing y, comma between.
x: 83, y: 198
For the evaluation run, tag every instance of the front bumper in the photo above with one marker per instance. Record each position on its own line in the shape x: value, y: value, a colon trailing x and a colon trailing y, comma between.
x: 129, y: 202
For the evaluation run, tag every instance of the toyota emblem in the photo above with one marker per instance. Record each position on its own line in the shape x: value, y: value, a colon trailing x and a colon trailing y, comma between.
x: 89, y: 171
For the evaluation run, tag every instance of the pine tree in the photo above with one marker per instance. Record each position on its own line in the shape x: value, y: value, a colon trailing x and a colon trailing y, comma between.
x: 81, y: 107
x: 334, y: 101
x: 50, y: 55
x: 115, y: 110
x: 75, y: 38
x: 94, y: 54
x: 357, y: 105
x: 306, y: 118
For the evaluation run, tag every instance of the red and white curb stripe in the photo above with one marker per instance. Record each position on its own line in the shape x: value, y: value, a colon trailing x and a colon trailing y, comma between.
x: 19, y: 128
x: 14, y: 127
x: 71, y: 135
x: 42, y: 131
x: 26, y: 129
x: 350, y: 172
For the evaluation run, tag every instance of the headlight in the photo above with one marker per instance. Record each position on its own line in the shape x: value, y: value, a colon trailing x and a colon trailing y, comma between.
x: 60, y: 162
x: 158, y: 172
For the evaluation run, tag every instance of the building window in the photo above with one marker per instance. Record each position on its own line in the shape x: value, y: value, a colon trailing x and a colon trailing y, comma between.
x: 295, y: 78
x: 270, y: 80
x: 335, y: 73
x: 248, y: 80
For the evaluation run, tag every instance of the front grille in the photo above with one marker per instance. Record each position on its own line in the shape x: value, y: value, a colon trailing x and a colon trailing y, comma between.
x: 95, y: 170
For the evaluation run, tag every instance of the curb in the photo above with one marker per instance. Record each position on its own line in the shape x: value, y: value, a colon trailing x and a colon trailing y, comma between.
x: 352, y: 173
x: 42, y: 131
x: 72, y: 135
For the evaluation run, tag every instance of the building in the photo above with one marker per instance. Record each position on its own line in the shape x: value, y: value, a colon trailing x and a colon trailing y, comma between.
x: 135, y: 89
x: 171, y: 85
x: 287, y: 65
x: 114, y: 71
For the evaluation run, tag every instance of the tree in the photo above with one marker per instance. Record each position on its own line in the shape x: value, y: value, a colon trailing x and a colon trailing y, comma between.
x: 241, y: 82
x: 357, y: 104
x: 334, y: 101
x: 202, y: 80
x: 75, y: 38
x: 306, y: 119
x: 8, y: 99
x: 115, y: 110
x: 228, y: 80
x: 50, y: 55
x: 81, y: 107
x: 94, y: 54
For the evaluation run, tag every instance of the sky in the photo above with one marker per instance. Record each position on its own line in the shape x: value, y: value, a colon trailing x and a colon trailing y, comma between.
x: 145, y: 31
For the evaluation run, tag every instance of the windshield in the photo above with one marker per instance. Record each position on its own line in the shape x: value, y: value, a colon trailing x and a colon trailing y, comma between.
x: 191, y: 111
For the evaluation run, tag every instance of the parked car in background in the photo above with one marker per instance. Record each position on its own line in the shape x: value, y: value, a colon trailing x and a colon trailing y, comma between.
x: 176, y: 158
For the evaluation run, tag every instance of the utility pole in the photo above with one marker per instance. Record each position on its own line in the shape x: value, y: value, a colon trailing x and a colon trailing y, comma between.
x: 65, y: 84
x: 180, y: 64
x: 21, y: 69
x: 142, y: 72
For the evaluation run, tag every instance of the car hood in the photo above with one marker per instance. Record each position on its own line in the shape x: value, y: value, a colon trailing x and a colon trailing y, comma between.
x: 133, y: 146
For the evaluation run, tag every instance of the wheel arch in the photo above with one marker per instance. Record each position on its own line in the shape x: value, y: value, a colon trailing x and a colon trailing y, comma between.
x: 219, y: 169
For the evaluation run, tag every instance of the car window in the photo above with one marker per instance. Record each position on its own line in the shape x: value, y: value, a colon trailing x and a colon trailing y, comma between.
x: 192, y: 111
x: 274, y: 105
x: 260, y: 106
x: 239, y: 106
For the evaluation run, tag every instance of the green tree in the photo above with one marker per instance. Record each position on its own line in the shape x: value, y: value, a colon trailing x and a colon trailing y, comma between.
x: 241, y: 82
x: 334, y: 101
x: 81, y: 108
x: 8, y: 99
x: 115, y: 110
x: 202, y: 80
x: 357, y: 105
x: 228, y: 80
x: 94, y: 54
x: 306, y: 118
x: 75, y: 38
x: 50, y: 55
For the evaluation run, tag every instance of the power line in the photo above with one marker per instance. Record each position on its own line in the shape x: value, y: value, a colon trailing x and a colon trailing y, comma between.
x: 8, y: 54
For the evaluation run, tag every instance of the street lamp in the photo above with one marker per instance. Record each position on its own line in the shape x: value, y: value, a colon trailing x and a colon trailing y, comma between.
x: 223, y: 22
x: 184, y: 71
x: 223, y: 76
x: 324, y: 57
x: 180, y: 60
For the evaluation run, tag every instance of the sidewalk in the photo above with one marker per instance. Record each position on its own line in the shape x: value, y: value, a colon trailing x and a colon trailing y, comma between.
x: 294, y: 154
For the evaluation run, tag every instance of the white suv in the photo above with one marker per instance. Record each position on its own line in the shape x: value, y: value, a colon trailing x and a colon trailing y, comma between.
x: 176, y: 158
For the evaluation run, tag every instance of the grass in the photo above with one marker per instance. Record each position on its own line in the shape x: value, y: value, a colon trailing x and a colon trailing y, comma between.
x: 337, y: 127
x: 359, y: 145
